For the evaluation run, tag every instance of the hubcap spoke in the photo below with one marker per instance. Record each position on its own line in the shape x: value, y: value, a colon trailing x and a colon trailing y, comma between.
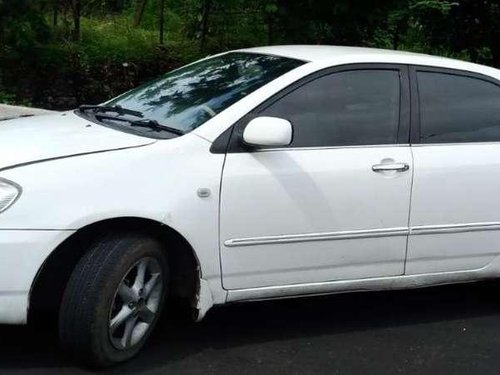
x: 126, y: 293
x: 150, y: 285
x: 129, y: 330
x: 146, y: 315
x: 122, y: 316
x: 141, y: 275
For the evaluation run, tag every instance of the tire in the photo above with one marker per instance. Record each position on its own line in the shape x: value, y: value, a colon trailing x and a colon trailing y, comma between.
x: 106, y: 283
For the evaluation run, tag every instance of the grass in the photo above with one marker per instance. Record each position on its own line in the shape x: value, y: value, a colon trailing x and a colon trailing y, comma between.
x: 114, y: 39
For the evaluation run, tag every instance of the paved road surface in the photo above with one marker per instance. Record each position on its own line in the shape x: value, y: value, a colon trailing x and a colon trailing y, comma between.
x: 448, y: 330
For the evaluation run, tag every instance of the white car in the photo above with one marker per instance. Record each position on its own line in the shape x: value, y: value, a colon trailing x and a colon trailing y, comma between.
x: 255, y: 174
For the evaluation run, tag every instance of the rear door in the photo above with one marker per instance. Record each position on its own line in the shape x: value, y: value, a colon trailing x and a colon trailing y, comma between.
x: 455, y: 214
x: 332, y: 206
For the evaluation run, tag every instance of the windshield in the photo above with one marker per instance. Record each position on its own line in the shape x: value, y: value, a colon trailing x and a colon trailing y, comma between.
x: 187, y: 97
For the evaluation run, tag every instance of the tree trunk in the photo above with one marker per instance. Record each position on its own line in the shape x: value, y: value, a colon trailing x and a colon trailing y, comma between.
x: 270, y: 29
x: 205, y: 14
x: 76, y: 19
x: 55, y: 13
x: 162, y: 21
x: 139, y: 12
x: 396, y: 38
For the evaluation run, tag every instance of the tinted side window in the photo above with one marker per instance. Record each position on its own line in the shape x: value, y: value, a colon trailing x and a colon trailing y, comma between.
x: 358, y: 107
x: 458, y: 108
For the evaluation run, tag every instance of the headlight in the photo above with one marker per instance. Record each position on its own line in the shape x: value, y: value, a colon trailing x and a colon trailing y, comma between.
x: 9, y: 192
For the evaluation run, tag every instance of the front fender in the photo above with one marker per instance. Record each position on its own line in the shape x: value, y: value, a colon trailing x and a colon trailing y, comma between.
x: 157, y: 182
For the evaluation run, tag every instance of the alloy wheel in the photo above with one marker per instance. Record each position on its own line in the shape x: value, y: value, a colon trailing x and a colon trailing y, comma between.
x: 136, y: 303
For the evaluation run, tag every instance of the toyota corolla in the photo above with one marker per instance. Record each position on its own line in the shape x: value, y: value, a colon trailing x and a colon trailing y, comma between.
x: 254, y: 174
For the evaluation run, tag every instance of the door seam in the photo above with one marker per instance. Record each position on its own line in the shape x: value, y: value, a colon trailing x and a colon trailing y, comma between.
x: 409, y: 209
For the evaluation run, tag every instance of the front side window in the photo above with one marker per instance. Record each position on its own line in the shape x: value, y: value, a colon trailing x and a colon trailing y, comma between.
x: 456, y: 109
x: 187, y: 97
x: 357, y: 107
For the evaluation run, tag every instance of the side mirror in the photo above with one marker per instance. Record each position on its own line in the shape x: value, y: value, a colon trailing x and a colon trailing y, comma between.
x: 268, y: 131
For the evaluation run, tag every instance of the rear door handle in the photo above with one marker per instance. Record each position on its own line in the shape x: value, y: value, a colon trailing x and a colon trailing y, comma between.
x: 398, y: 167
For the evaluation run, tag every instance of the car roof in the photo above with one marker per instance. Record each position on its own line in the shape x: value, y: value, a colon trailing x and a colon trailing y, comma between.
x: 322, y: 52
x: 337, y: 54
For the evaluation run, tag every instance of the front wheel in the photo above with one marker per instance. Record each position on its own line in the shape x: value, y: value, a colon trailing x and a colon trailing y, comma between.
x: 113, y: 299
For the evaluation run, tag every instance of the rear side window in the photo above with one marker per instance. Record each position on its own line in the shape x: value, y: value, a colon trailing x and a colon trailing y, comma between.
x: 358, y: 107
x: 455, y: 109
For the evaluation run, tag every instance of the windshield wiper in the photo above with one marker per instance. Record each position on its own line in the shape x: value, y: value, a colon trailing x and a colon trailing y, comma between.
x: 115, y: 108
x: 146, y: 123
x: 155, y: 125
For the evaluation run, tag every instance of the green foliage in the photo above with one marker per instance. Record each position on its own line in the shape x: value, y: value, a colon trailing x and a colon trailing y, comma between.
x: 7, y: 98
x: 42, y: 61
x: 21, y: 26
x: 10, y: 98
x: 441, y: 6
x: 112, y: 38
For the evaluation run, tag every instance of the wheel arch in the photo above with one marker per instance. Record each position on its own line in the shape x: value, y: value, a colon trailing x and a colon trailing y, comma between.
x: 49, y: 284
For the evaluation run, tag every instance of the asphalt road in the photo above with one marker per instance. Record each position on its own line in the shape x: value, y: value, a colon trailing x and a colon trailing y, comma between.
x: 447, y: 330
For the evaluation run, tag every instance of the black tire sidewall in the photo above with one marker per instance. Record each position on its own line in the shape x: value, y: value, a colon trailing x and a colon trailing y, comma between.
x: 97, y: 300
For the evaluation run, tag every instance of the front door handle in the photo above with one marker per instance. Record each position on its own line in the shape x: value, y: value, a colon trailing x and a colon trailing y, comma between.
x: 397, y: 167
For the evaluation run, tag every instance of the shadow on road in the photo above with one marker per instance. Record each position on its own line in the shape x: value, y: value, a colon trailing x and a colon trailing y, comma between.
x: 351, y: 319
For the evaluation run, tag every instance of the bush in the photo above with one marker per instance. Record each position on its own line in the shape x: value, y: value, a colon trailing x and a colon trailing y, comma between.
x: 7, y: 98
x: 113, y: 39
x: 111, y: 57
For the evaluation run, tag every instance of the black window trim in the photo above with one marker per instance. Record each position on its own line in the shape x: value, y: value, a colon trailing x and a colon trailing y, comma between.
x: 229, y: 143
x: 415, y: 132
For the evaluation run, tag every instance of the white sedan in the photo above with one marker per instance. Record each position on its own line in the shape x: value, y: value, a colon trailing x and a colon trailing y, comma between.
x: 254, y: 174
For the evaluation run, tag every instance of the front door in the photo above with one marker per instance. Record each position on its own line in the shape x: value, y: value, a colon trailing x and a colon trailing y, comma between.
x: 333, y: 205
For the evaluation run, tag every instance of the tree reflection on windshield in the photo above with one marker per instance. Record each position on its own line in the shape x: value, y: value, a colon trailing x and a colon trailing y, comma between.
x: 189, y: 96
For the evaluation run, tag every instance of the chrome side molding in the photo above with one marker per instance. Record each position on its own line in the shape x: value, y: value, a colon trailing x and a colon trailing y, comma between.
x: 359, y: 234
x: 307, y: 237
x: 454, y: 228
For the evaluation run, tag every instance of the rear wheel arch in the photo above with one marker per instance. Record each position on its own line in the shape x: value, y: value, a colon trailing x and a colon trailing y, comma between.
x: 48, y: 287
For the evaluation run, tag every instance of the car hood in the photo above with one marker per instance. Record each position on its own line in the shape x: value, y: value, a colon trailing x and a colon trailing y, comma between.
x: 48, y: 137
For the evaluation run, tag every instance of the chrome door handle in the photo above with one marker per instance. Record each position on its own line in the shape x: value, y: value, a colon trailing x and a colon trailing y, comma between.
x: 398, y: 167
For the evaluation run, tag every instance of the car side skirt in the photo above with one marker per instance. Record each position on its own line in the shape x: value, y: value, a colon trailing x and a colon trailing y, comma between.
x: 491, y: 271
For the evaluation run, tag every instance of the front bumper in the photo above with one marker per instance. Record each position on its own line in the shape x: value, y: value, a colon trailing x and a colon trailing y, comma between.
x: 22, y: 253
